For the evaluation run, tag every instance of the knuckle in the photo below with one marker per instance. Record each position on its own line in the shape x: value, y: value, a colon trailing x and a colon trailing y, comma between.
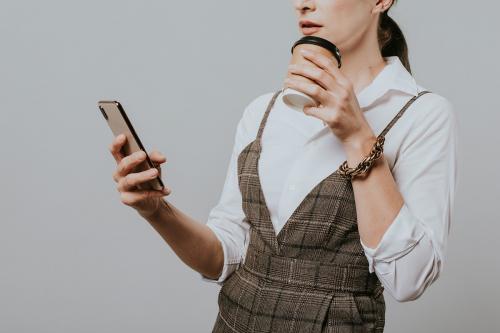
x: 316, y: 90
x: 333, y: 120
x: 134, y: 160
x: 150, y: 174
x: 121, y: 166
x: 344, y: 95
x: 125, y: 164
x: 349, y: 86
x: 323, y: 76
x: 139, y: 155
x: 129, y: 180
x: 123, y: 183
x: 125, y: 199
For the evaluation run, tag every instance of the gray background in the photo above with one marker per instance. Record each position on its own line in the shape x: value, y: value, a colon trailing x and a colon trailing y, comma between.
x: 74, y: 259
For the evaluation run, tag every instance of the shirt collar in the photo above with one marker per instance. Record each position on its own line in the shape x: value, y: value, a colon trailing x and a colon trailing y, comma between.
x: 394, y: 76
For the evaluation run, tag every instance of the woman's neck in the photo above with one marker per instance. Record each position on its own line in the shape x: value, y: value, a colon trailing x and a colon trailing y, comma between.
x: 361, y: 65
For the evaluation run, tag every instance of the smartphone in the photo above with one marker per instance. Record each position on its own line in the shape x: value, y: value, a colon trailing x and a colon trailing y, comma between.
x: 117, y: 120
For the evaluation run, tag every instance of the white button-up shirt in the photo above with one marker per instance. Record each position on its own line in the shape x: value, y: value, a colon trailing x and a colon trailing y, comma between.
x: 298, y: 151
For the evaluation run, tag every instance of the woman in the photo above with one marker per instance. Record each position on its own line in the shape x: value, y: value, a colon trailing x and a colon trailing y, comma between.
x: 297, y: 244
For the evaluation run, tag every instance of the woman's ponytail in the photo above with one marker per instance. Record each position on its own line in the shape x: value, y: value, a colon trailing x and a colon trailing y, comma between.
x: 391, y: 40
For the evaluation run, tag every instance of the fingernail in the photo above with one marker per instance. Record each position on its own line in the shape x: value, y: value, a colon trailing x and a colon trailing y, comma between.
x: 305, y: 52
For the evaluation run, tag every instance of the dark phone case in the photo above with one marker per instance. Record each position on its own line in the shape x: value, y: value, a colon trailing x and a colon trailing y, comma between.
x: 119, y: 123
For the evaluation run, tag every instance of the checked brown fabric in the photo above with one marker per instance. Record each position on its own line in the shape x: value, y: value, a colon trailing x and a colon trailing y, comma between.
x: 310, y: 277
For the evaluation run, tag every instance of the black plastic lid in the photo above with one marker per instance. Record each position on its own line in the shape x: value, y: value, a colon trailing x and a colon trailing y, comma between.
x: 320, y: 42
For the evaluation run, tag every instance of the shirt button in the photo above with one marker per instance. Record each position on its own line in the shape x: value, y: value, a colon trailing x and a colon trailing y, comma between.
x: 292, y: 187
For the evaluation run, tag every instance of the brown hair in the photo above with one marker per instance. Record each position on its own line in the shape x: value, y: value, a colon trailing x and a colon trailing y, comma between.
x: 391, y: 40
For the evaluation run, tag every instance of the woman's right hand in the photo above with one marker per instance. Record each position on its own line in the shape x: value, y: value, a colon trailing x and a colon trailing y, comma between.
x: 146, y: 202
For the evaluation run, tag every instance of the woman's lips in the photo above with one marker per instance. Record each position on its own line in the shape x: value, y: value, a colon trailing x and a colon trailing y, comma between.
x: 310, y: 30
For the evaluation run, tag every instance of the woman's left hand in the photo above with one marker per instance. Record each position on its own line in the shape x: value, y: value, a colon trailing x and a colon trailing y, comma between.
x: 338, y: 105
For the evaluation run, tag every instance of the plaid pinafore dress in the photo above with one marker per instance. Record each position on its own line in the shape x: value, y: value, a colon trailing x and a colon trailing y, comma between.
x: 313, y: 275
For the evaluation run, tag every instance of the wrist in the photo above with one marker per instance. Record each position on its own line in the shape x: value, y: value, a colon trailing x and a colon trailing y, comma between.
x: 358, y: 148
x: 154, y: 215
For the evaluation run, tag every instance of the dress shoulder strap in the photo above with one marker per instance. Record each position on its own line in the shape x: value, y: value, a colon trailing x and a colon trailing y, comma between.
x: 400, y: 113
x: 266, y: 114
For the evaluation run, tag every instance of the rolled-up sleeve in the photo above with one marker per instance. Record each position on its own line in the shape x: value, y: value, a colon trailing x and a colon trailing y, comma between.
x: 227, y: 219
x: 410, y: 255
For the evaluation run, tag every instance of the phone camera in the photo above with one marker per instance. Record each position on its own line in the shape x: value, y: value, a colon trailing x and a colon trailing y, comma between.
x: 103, y: 112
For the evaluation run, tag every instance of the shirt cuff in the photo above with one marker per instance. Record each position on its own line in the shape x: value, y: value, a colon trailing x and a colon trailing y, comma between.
x: 231, y: 261
x: 401, y: 236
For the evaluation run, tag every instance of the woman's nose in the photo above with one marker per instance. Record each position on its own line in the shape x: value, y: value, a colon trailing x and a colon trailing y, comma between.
x: 303, y: 5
